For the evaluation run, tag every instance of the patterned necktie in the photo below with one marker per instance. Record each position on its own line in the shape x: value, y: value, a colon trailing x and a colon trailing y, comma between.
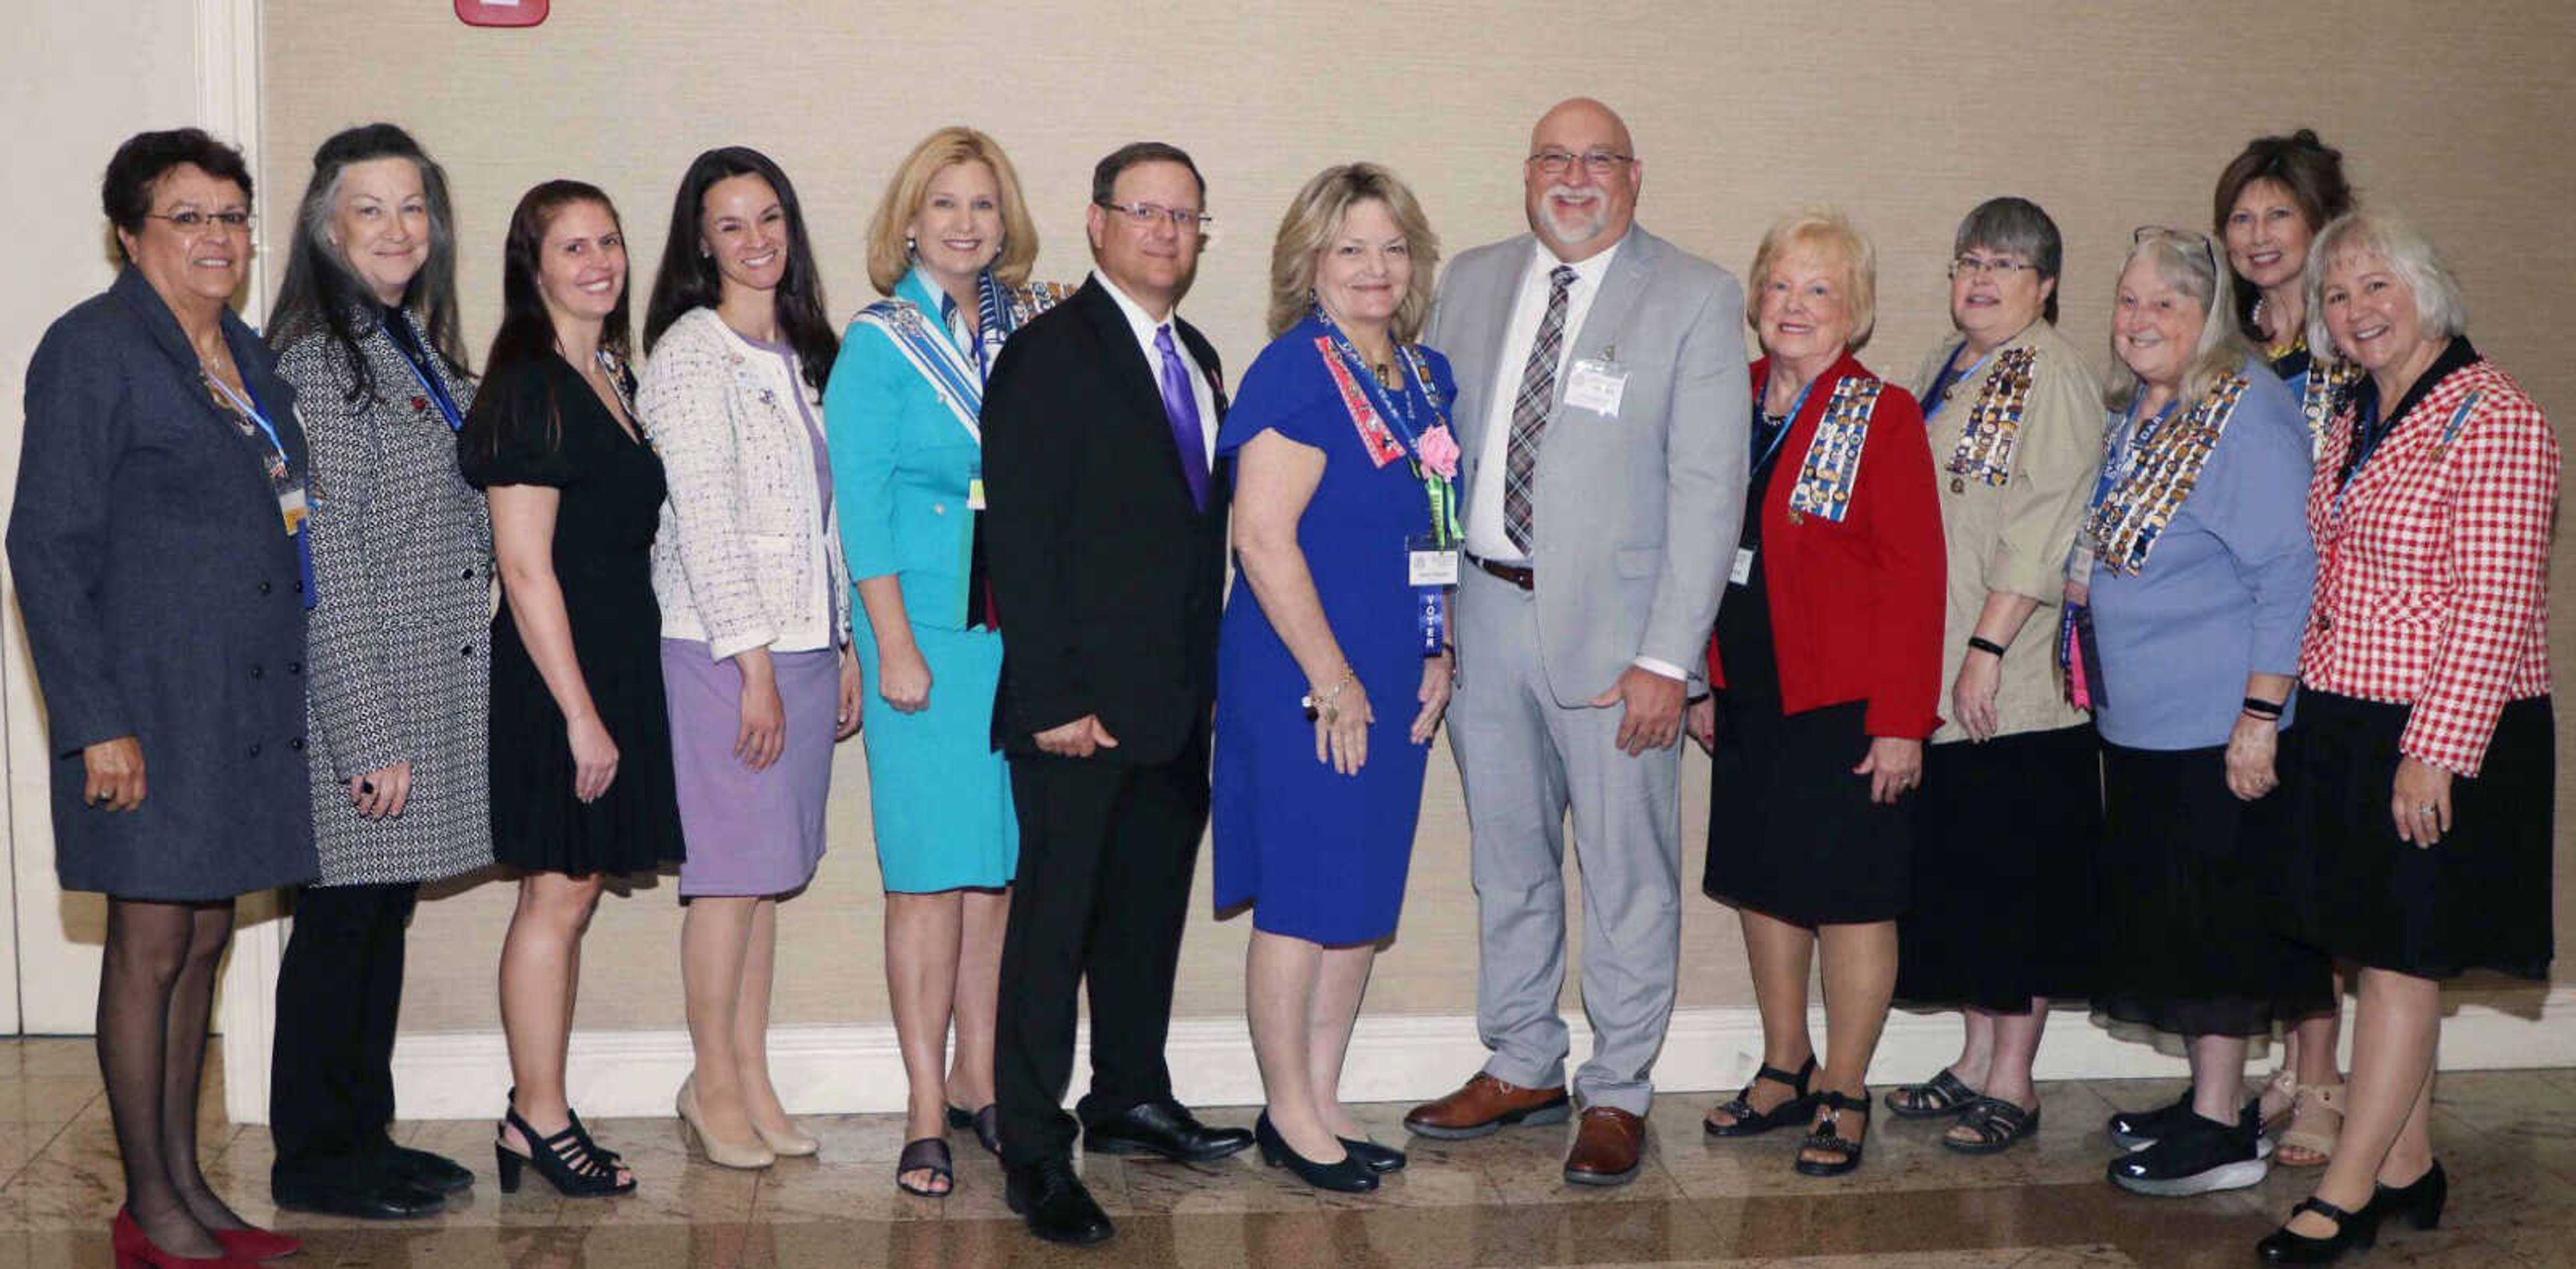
x: 1181, y: 409
x: 1529, y: 410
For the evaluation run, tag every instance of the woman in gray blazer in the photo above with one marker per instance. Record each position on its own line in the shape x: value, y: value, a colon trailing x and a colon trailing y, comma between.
x: 365, y: 328
x: 158, y: 546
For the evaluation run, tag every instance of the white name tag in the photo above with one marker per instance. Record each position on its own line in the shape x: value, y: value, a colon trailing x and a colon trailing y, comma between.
x: 1431, y: 568
x: 1596, y: 386
x: 1742, y: 573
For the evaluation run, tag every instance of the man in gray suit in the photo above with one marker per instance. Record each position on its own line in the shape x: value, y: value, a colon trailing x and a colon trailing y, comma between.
x: 1602, y: 407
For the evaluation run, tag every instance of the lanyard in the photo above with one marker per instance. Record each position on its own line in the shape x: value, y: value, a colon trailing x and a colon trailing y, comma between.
x: 1435, y: 487
x: 250, y: 410
x: 1951, y: 373
x: 2131, y: 437
x: 1788, y: 422
x: 437, y: 394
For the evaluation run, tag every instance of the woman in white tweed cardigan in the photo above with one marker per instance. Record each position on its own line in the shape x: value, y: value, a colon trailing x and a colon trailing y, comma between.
x: 755, y: 632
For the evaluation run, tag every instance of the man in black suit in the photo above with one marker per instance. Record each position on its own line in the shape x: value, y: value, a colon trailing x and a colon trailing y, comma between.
x: 1105, y: 541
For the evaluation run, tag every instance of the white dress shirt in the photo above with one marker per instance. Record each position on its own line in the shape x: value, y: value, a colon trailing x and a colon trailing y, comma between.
x: 1485, y: 536
x: 1145, y: 327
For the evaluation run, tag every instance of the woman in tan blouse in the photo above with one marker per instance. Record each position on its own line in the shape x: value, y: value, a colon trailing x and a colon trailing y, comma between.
x: 2002, y: 884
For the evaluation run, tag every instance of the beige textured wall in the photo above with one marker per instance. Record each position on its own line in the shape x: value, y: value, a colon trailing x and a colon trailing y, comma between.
x: 1906, y: 114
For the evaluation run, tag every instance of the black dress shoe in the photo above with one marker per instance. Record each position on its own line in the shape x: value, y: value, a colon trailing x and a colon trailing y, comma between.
x: 361, y: 1192
x: 1053, y: 1201
x: 1163, y: 1128
x: 2352, y: 1230
x: 433, y: 1172
x: 1345, y: 1175
x: 1374, y: 1157
x: 2420, y: 1203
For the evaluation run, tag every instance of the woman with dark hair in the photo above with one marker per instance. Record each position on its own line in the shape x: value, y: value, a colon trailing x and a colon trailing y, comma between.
x: 949, y: 248
x: 158, y: 547
x: 365, y: 327
x: 2002, y: 904
x: 755, y: 632
x: 581, y: 747
x: 2271, y: 202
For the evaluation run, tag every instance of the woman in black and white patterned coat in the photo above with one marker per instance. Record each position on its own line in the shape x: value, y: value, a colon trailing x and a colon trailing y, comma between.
x: 399, y: 677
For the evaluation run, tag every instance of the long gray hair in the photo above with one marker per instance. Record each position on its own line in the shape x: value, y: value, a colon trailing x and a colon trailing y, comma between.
x: 322, y: 293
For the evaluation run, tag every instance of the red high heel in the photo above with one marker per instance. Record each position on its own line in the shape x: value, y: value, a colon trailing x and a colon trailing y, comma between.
x: 135, y: 1250
x: 258, y: 1244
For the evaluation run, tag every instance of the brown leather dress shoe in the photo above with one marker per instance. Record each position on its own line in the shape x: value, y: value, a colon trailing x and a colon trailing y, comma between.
x: 1485, y: 1104
x: 1606, y: 1147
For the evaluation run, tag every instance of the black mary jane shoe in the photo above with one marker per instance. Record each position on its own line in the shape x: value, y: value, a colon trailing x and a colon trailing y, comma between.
x: 1346, y: 1175
x: 986, y: 1123
x: 1165, y: 1128
x: 1374, y: 1157
x: 2353, y: 1230
x: 2418, y: 1204
x: 1748, y: 1122
x: 1825, y: 1140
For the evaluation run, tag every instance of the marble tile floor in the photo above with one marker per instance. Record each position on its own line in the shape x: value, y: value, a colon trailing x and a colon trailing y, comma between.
x: 2509, y: 1139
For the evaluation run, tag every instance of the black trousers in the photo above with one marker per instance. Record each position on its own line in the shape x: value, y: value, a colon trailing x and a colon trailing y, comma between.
x: 339, y: 994
x: 1107, y: 852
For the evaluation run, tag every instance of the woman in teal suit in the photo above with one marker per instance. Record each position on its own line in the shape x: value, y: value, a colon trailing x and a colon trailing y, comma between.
x: 950, y: 247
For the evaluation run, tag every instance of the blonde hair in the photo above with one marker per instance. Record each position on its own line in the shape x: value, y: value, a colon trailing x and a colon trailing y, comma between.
x: 889, y: 255
x: 1831, y: 236
x: 2187, y: 262
x: 1315, y: 216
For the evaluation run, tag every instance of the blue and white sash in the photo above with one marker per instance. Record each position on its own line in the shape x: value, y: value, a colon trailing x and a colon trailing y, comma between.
x: 952, y: 372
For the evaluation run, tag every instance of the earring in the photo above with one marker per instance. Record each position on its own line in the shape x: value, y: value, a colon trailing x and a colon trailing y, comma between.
x: 910, y: 246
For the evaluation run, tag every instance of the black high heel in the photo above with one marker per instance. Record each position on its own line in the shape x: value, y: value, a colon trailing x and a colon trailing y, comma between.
x: 1346, y: 1175
x: 569, y: 1160
x: 2353, y: 1230
x: 2418, y: 1204
x: 1374, y: 1157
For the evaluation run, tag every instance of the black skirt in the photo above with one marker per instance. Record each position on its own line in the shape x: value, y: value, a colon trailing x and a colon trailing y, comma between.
x: 2190, y: 878
x: 2007, y: 840
x: 2478, y: 899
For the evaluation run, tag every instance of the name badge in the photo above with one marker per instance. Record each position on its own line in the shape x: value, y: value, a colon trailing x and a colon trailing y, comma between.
x: 1596, y: 385
x: 1742, y: 573
x: 1430, y: 567
x: 975, y: 494
x: 291, y: 506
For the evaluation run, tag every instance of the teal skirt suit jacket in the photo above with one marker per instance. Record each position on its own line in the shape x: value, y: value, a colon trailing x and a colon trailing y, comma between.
x: 902, y: 462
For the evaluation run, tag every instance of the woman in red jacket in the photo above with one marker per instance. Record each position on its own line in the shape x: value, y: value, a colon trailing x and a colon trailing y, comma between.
x: 1828, y: 657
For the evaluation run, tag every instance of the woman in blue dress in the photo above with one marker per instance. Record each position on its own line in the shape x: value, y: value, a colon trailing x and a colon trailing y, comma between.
x: 950, y: 248
x: 1343, y: 502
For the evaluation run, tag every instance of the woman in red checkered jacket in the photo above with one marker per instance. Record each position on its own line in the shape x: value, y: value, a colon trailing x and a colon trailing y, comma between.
x: 2423, y: 770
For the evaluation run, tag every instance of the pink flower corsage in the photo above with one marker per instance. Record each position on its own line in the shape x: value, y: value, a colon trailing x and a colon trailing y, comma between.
x: 1440, y: 451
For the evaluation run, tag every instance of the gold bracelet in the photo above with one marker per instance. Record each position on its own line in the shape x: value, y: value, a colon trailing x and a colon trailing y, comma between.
x: 1319, y: 705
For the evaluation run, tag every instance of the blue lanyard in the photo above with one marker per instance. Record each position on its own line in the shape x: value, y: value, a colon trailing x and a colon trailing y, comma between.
x: 1788, y: 423
x: 250, y: 410
x: 428, y: 382
x: 2124, y: 447
x: 1950, y: 374
x: 1417, y: 375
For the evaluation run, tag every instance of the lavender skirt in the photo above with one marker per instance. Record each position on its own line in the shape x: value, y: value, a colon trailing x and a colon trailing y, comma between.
x: 749, y: 832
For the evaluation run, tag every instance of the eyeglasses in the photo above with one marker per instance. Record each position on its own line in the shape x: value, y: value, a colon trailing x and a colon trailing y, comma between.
x: 1596, y: 162
x: 1989, y: 266
x: 2200, y: 240
x: 1182, y: 218
x: 193, y: 221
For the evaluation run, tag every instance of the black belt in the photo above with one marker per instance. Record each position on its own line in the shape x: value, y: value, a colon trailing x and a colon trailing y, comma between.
x: 1521, y: 575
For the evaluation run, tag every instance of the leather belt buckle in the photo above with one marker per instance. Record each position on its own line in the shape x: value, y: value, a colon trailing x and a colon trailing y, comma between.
x: 1521, y: 575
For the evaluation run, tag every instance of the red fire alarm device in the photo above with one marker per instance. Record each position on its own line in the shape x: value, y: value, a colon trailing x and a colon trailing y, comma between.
x: 501, y: 12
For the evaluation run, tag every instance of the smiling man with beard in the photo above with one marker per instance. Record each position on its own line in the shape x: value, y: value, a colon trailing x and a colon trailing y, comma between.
x: 1602, y: 410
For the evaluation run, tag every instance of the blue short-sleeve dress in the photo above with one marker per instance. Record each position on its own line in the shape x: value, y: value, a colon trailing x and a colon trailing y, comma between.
x: 1322, y: 856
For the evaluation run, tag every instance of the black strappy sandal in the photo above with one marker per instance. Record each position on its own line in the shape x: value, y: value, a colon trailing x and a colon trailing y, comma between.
x: 985, y: 1122
x: 569, y: 1160
x: 1753, y: 1123
x: 929, y: 1154
x: 1939, y: 1097
x: 1824, y: 1139
x: 1997, y: 1125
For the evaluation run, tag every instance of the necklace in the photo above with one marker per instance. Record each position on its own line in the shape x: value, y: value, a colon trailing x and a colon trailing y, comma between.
x: 1387, y: 378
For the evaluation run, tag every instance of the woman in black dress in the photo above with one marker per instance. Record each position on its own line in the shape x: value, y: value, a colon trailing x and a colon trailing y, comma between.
x: 581, y: 747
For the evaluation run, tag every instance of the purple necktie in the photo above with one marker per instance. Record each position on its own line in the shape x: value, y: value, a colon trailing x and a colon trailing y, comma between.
x: 1181, y: 407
